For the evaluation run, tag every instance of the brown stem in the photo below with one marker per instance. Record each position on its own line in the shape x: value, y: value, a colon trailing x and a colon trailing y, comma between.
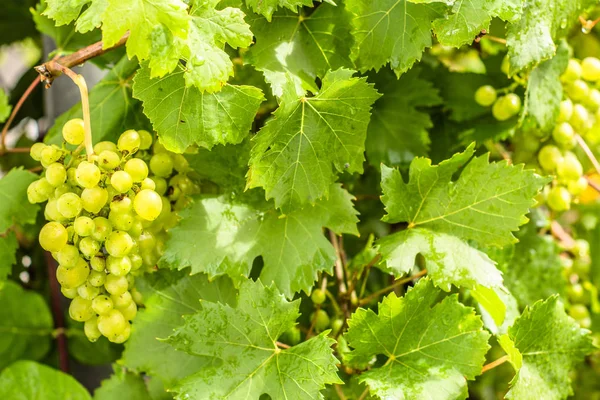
x: 588, y: 152
x: 592, y: 184
x: 339, y: 392
x: 18, y: 150
x: 14, y: 112
x: 339, y: 268
x: 559, y: 232
x: 364, y: 394
x: 495, y: 39
x: 59, y: 321
x: 393, y: 286
x: 282, y: 345
x: 494, y: 364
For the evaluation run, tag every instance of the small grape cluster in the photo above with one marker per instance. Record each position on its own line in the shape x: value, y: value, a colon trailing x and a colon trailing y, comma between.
x: 580, y: 290
x: 107, y: 218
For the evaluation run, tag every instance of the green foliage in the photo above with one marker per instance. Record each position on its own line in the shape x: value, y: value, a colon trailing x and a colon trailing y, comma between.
x: 14, y: 207
x: 5, y: 108
x: 122, y: 384
x: 8, y: 248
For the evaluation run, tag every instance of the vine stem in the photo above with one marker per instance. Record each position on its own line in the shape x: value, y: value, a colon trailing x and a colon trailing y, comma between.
x: 13, y: 114
x: 495, y: 39
x: 588, y: 152
x: 59, y: 320
x: 79, y: 80
x: 494, y: 364
x: 559, y: 232
x: 364, y: 394
x: 394, y: 285
x: 592, y: 184
x: 339, y: 268
x: 339, y: 392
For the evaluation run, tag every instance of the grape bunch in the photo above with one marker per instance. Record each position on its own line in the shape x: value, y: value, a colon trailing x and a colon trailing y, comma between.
x: 108, y: 215
x: 580, y: 290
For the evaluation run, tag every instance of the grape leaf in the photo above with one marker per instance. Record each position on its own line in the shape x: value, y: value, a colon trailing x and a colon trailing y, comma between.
x: 268, y: 7
x: 449, y: 260
x: 245, y: 339
x: 531, y: 39
x: 112, y: 108
x: 432, y: 346
x: 544, y: 344
x: 8, y: 247
x: 300, y: 48
x: 168, y: 296
x: 122, y: 385
x: 295, y: 153
x: 398, y: 128
x: 28, y: 380
x: 14, y: 206
x: 485, y: 204
x: 184, y: 116
x: 223, y: 236
x: 64, y: 12
x: 394, y: 31
x: 544, y: 90
x: 225, y: 166
x: 25, y: 325
x: 5, y: 107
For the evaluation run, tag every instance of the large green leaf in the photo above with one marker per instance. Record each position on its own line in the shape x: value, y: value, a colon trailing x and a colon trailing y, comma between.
x: 8, y: 247
x: 14, y: 207
x: 544, y: 344
x: 432, y: 346
x: 28, y: 380
x: 122, y: 385
x: 301, y: 47
x: 268, y: 7
x: 245, y: 339
x: 297, y: 155
x: 168, y: 296
x: 223, y: 235
x: 184, y: 116
x: 25, y: 325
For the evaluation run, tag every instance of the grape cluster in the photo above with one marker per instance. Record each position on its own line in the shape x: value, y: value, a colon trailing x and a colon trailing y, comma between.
x: 579, y: 290
x: 108, y: 214
x: 503, y: 107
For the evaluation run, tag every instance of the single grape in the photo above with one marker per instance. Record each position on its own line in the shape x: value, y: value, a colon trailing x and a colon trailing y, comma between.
x: 158, y: 147
x: 580, y: 120
x: 56, y: 174
x: 563, y: 133
x: 121, y: 205
x: 98, y: 264
x: 318, y: 296
x: 590, y: 69
x: 129, y: 141
x: 68, y: 256
x: 579, y: 312
x: 50, y: 155
x: 129, y: 311
x: 485, y: 95
x: 566, y: 110
x: 581, y: 248
x: 121, y: 181
x: 137, y: 169
x: 34, y: 195
x: 180, y: 163
x: 321, y: 319
x: 145, y: 139
x: 112, y: 323
x: 122, y: 300
x: 53, y: 236
x: 570, y: 168
x: 74, y: 277
x: 336, y: 325
x: 136, y: 261
x: 160, y: 185
x: 87, y: 175
x: 573, y: 71
x: 90, y: 328
x: 505, y: 66
x: 593, y: 100
x: 119, y: 244
x: 73, y: 131
x: 71, y: 176
x: 51, y: 211
x: 81, y: 309
x: 83, y: 226
x: 108, y: 160
x: 500, y: 111
x: 102, y: 304
x: 89, y: 247
x: 582, y: 266
x: 69, y: 205
x: 576, y: 187
x: 578, y: 90
x: 148, y: 204
x: 36, y: 151
x: 88, y: 291
x: 103, y: 228
x: 559, y: 199
x: 97, y: 278
x: 161, y: 164
x: 116, y: 285
x: 105, y: 146
x: 69, y: 293
x: 148, y: 184
x: 122, y: 221
x: 123, y: 336
x: 137, y: 296
x: 118, y: 266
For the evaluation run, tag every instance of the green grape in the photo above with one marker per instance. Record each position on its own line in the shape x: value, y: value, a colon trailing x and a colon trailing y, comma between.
x: 102, y: 304
x: 129, y: 311
x: 148, y: 204
x: 146, y: 242
x: 180, y: 163
x: 578, y: 90
x: 148, y: 184
x: 318, y: 296
x: 121, y: 205
x: 51, y: 211
x: 593, y: 100
x: 116, y: 284
x: 580, y: 120
x: 122, y: 300
x: 87, y: 175
x: 122, y: 221
x: 337, y: 325
x: 136, y: 261
x: 83, y: 226
x: 590, y: 69
x: 563, y: 133
x: 50, y: 155
x: 485, y: 96
x: 161, y: 164
x: 45, y: 188
x: 581, y: 248
x: 549, y: 157
x: 56, y: 174
x: 69, y: 205
x: 577, y: 294
x: 582, y: 266
x: 175, y: 194
x: 145, y: 139
x: 119, y: 244
x: 34, y: 195
x: 123, y: 336
x: 118, y: 266
x: 102, y: 229
x: 98, y: 264
x: 566, y: 110
x: 108, y: 160
x: 74, y: 277
x: 579, y: 312
x: 63, y: 189
x: 36, y: 151
x: 137, y: 169
x: 73, y: 131
x: 137, y: 296
x: 130, y: 280
x: 573, y: 71
x: 71, y: 176
x: 68, y: 256
x: 158, y: 147
x: 112, y: 323
x: 105, y: 146
x: 136, y: 228
x: 500, y: 111
x: 505, y: 66
x: 88, y: 291
x: 90, y: 328
x: 80, y: 309
x: 53, y: 236
x: 570, y: 168
x: 89, y: 247
x: 576, y: 187
x: 512, y: 103
x: 121, y: 181
x: 69, y: 293
x: 96, y: 278
x: 160, y: 185
x: 559, y: 199
x: 321, y: 319
x: 129, y: 141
